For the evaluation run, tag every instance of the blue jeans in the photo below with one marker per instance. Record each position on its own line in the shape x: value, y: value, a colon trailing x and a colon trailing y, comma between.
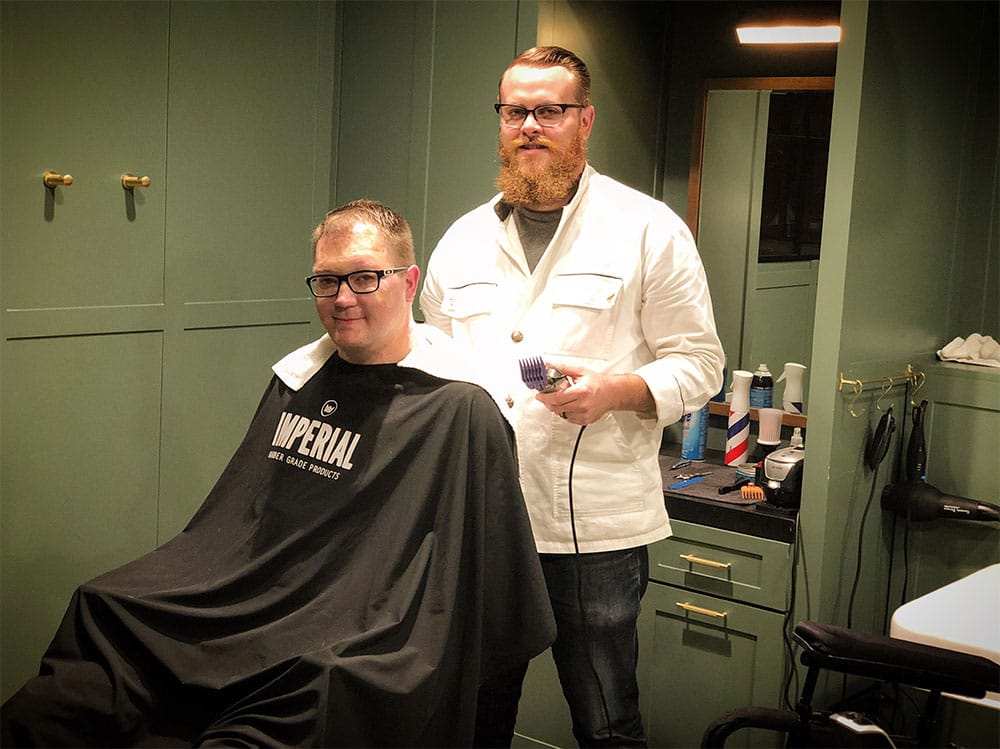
x: 595, y: 655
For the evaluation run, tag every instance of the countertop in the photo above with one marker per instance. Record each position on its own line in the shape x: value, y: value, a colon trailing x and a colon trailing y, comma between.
x: 701, y: 503
x: 960, y: 616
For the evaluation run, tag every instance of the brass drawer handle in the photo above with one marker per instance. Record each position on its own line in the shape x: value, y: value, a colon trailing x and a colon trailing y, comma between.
x: 130, y: 181
x: 54, y: 179
x: 692, y: 609
x: 692, y: 559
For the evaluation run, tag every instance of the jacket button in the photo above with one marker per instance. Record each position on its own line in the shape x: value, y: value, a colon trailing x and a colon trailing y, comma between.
x: 517, y: 336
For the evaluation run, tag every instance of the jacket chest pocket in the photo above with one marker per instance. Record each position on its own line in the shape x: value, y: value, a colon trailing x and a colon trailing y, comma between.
x: 470, y: 309
x: 585, y: 310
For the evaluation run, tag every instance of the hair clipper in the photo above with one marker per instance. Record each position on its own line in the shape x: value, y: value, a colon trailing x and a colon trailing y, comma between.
x: 537, y: 376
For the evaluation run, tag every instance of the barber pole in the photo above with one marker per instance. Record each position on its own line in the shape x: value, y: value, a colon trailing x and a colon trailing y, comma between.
x: 737, y: 438
x: 738, y: 429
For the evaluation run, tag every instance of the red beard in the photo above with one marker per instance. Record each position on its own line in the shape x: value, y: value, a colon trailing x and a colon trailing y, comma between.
x: 555, y: 183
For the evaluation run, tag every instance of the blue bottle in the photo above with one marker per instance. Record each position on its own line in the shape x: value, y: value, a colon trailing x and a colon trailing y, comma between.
x: 695, y: 434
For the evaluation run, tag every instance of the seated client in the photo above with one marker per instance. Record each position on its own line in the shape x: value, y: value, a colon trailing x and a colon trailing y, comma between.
x: 363, y: 563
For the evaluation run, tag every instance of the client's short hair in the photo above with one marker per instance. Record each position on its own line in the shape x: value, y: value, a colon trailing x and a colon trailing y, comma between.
x: 392, y: 226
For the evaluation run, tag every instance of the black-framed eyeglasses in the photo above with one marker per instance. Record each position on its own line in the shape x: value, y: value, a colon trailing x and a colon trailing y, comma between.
x: 514, y: 115
x: 359, y: 281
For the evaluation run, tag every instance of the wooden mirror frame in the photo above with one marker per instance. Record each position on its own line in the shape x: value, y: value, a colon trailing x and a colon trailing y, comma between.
x: 807, y: 83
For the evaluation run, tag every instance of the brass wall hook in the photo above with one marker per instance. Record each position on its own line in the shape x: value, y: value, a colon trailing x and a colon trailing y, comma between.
x: 857, y: 386
x: 854, y: 401
x: 130, y: 181
x: 912, y: 377
x: 54, y: 179
x: 885, y: 390
x: 917, y: 379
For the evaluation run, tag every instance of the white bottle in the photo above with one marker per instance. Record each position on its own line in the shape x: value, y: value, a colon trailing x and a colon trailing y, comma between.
x: 740, y: 402
x: 738, y: 427
x: 791, y: 399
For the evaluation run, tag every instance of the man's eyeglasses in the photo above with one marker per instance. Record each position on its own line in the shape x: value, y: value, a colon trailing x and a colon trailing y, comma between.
x: 514, y: 115
x: 360, y: 281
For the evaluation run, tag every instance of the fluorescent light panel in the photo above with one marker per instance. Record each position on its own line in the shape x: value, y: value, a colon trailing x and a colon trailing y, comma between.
x: 788, y: 34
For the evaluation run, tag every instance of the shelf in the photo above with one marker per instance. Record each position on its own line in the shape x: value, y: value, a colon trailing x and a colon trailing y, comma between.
x: 788, y: 420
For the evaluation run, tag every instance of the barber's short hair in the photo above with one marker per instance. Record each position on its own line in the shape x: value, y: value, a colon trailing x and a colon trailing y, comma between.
x: 392, y: 226
x: 548, y: 57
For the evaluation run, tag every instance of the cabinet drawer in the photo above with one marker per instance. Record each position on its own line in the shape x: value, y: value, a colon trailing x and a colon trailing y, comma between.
x: 724, y: 563
x: 694, y: 666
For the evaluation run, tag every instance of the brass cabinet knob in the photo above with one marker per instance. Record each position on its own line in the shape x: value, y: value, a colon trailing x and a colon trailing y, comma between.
x: 54, y: 179
x: 130, y: 181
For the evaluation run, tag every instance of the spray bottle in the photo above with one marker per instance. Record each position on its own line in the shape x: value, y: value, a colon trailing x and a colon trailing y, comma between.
x: 762, y: 388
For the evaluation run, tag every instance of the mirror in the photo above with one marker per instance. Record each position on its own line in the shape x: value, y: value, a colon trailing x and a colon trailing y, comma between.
x: 755, y: 202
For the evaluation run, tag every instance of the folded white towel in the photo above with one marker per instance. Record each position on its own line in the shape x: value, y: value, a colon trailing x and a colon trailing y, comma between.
x: 976, y: 349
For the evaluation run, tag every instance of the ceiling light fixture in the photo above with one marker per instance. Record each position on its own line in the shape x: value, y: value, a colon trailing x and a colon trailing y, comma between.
x: 788, y: 34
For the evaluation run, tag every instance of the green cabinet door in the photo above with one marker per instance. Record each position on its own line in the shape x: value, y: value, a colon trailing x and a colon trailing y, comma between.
x: 251, y: 98
x: 84, y: 93
x: 694, y: 666
x: 137, y: 331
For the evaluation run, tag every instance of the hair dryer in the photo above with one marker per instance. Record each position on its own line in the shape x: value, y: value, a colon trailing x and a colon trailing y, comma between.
x: 918, y: 500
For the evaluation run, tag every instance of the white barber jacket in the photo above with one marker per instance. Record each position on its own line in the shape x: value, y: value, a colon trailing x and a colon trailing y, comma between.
x: 619, y: 289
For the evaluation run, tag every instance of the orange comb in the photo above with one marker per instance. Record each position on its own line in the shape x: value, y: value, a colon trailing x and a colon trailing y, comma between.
x: 751, y: 491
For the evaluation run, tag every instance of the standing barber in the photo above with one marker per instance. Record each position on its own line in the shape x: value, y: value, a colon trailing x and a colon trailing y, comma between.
x: 606, y: 284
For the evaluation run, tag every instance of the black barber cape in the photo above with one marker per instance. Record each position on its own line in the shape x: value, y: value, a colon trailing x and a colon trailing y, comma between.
x: 363, y: 562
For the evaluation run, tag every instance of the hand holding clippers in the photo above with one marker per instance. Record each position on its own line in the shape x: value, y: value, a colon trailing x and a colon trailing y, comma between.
x: 537, y: 376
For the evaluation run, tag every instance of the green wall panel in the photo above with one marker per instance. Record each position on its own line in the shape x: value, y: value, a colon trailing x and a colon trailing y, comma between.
x: 216, y: 378
x: 415, y: 127
x: 380, y: 104
x: 910, y: 157
x: 80, y: 440
x: 623, y: 46
x: 94, y: 116
x: 248, y: 93
x: 461, y: 153
x: 958, y: 465
x: 731, y: 174
x: 977, y: 264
